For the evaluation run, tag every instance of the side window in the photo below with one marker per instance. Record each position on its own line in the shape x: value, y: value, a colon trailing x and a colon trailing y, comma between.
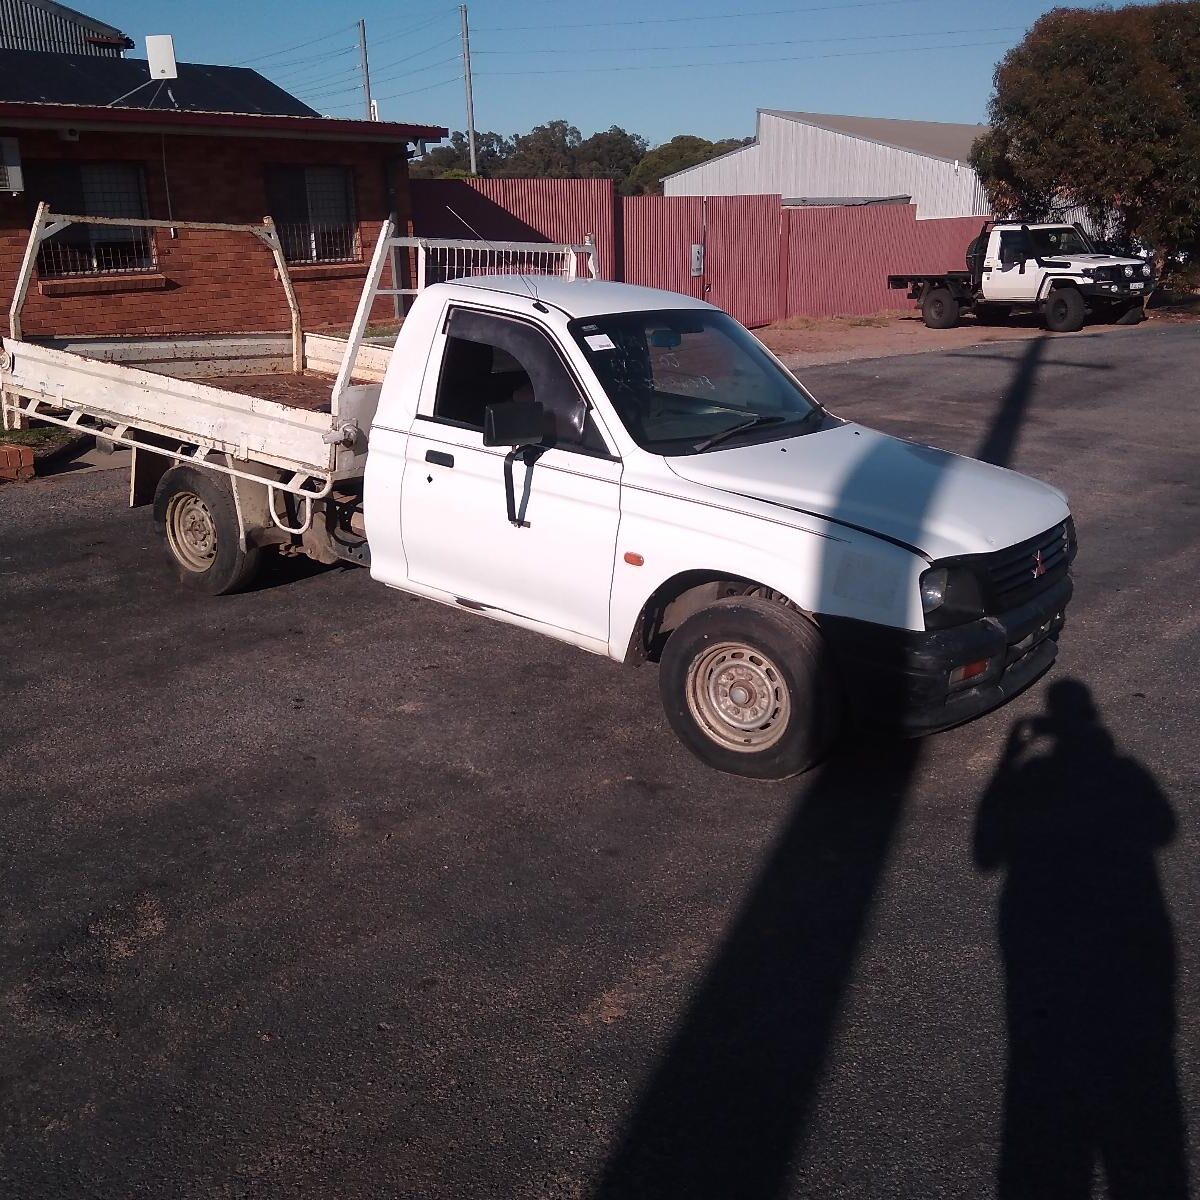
x: 1013, y: 247
x: 493, y: 360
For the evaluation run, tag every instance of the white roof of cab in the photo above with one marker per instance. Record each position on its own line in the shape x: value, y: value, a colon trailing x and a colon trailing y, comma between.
x: 582, y: 297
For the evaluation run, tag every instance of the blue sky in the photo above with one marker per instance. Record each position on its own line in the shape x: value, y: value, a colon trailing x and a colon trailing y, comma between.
x: 679, y: 66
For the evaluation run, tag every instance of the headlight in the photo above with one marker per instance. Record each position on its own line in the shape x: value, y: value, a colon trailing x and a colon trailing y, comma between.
x: 950, y: 596
x: 933, y: 589
x: 1128, y: 272
x: 1146, y: 270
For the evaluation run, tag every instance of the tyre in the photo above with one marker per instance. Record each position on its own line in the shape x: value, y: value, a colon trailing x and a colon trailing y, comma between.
x: 195, y: 516
x: 1064, y: 311
x: 747, y: 686
x: 992, y: 314
x: 939, y: 309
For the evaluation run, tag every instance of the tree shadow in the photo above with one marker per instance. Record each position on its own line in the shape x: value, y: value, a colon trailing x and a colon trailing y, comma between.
x: 1089, y: 962
x: 726, y: 1109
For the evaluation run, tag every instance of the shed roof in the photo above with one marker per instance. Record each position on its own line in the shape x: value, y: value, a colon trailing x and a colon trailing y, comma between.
x: 108, y: 32
x: 937, y: 139
x: 40, y: 77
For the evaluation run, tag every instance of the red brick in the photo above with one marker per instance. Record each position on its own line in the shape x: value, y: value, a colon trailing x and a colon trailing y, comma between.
x: 16, y: 462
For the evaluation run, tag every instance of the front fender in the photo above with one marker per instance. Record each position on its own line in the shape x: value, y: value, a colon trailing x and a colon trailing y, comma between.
x: 822, y: 567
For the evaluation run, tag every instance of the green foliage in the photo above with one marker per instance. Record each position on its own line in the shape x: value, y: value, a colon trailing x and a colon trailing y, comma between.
x: 1101, y: 109
x: 557, y: 150
x: 545, y: 152
x: 679, y: 153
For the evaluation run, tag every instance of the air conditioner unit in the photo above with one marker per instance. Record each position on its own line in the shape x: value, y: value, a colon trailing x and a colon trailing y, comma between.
x: 12, y: 178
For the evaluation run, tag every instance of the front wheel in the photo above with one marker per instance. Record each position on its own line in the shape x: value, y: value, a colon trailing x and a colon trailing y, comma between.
x: 747, y: 687
x: 1065, y: 311
x: 196, y: 518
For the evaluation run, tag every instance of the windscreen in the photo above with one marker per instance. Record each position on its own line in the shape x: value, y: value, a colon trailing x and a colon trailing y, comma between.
x: 1063, y: 240
x: 688, y: 381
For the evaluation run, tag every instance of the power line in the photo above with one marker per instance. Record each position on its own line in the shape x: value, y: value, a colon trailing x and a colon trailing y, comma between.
x: 428, y: 88
x: 732, y: 16
x: 289, y: 49
x: 291, y: 64
x: 303, y: 80
x: 866, y: 37
x: 417, y: 70
x: 332, y: 91
x: 433, y: 20
x: 739, y: 62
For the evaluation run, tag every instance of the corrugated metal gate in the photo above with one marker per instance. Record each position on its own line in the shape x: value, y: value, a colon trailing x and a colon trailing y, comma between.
x: 738, y: 264
x: 657, y: 236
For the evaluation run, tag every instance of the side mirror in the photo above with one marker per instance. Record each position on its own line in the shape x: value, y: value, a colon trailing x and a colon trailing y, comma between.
x: 514, y: 423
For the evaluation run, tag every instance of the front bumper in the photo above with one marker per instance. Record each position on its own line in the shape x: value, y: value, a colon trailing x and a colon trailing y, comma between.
x: 1123, y: 289
x: 900, y: 679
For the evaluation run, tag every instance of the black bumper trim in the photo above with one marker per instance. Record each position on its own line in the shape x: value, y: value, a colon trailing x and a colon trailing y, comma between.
x: 899, y: 679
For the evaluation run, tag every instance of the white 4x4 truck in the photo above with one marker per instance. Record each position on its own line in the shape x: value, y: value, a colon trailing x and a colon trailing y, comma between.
x: 1049, y: 269
x: 629, y: 471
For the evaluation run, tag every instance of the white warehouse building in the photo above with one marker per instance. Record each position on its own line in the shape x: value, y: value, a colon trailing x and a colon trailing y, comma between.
x: 824, y: 159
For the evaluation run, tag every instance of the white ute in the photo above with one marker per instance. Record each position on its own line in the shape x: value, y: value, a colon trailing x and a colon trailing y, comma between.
x: 632, y: 472
x: 1050, y: 269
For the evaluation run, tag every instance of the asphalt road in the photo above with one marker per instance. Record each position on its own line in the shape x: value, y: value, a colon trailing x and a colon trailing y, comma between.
x: 321, y: 891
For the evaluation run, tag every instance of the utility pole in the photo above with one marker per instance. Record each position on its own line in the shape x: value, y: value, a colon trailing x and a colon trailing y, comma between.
x: 366, y: 70
x: 466, y: 53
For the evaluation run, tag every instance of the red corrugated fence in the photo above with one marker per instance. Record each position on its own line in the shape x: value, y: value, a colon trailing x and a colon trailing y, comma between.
x: 761, y: 262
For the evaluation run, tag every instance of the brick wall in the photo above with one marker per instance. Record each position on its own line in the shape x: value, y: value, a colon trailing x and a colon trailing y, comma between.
x: 206, y: 282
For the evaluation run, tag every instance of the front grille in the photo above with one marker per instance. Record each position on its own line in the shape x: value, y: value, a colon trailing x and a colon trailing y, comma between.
x: 1020, y: 573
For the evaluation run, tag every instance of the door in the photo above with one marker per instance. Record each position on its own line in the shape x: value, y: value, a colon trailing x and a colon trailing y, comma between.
x: 551, y: 560
x: 1005, y: 275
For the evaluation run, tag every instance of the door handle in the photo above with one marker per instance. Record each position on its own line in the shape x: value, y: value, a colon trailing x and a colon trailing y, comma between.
x: 438, y: 458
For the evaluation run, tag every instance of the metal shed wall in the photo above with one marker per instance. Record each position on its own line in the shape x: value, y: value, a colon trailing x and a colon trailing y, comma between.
x: 520, y: 210
x: 31, y: 27
x: 792, y: 158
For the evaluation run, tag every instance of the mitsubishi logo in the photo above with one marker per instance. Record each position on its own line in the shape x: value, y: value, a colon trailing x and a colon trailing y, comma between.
x: 1039, y: 567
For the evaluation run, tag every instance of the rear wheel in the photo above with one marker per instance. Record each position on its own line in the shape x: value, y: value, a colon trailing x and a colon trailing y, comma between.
x: 747, y: 687
x: 197, y: 520
x: 1065, y: 311
x: 1130, y: 314
x: 940, y: 309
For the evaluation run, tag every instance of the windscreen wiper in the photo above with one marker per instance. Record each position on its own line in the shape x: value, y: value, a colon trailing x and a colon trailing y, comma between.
x: 741, y: 427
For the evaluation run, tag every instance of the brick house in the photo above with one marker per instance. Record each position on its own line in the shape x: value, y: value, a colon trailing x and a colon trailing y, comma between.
x: 328, y: 183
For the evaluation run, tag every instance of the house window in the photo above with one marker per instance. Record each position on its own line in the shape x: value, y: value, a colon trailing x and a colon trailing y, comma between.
x: 92, y: 189
x: 313, y: 209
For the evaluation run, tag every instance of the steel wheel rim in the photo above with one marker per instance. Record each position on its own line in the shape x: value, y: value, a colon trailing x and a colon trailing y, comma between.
x: 1059, y: 310
x: 191, y: 532
x: 738, y: 696
x: 938, y: 309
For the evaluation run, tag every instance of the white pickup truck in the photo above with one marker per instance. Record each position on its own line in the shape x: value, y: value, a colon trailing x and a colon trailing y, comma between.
x: 629, y: 471
x: 1050, y: 269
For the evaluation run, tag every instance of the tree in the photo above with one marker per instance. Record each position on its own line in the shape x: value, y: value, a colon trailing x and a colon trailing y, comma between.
x: 682, y: 151
x: 492, y: 151
x: 610, y: 154
x: 545, y: 152
x: 1101, y: 109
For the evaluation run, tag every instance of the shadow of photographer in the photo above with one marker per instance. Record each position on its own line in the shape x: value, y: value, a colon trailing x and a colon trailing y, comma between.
x: 1089, y: 961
